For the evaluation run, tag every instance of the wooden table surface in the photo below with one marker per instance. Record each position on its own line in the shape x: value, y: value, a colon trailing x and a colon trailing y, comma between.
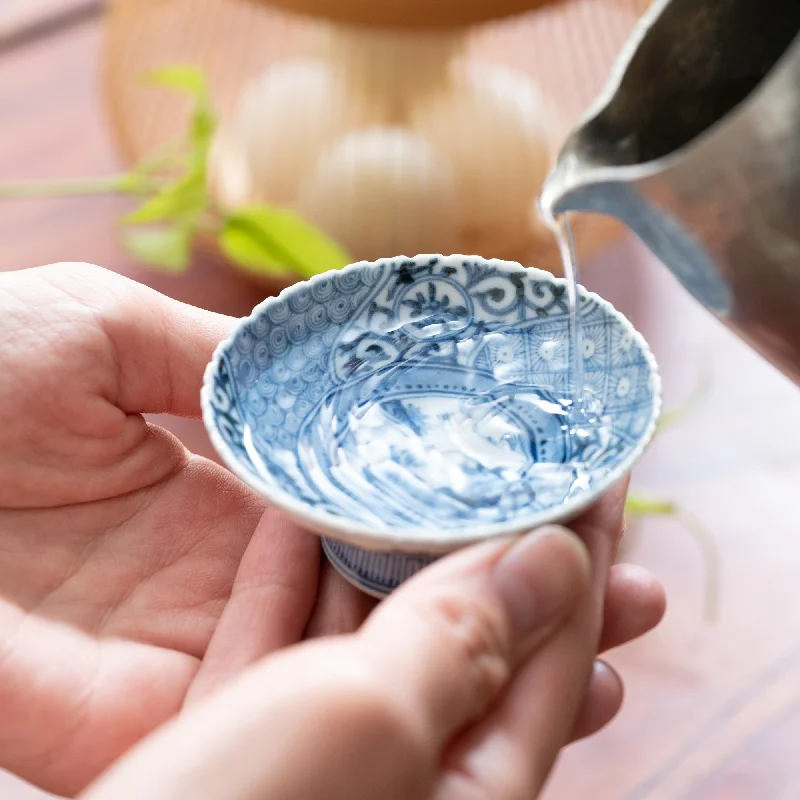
x: 713, y: 709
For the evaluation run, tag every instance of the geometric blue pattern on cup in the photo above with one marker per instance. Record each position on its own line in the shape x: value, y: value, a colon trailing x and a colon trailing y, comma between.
x: 406, y: 394
x: 375, y: 573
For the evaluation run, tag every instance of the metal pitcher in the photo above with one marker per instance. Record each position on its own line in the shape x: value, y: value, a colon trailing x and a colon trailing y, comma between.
x: 695, y: 145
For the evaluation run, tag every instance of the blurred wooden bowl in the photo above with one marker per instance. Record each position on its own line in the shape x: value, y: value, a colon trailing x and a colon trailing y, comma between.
x: 567, y: 47
x: 409, y: 13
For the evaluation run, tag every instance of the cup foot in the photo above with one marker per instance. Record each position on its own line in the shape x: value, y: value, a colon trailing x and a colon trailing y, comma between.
x: 374, y: 573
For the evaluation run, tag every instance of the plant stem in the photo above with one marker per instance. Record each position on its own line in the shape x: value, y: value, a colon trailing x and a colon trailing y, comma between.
x: 113, y: 184
x: 710, y: 554
x: 638, y: 509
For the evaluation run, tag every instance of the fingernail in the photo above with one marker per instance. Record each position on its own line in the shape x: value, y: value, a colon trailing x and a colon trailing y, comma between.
x: 541, y: 577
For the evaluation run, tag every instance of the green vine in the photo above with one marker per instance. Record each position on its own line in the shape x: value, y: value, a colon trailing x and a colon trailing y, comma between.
x: 176, y: 204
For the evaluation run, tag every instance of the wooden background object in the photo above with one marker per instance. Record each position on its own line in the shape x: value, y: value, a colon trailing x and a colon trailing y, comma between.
x: 409, y: 13
x: 567, y: 47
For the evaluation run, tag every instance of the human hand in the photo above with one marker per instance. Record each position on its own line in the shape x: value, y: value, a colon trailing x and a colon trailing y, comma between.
x: 119, y: 549
x: 464, y: 685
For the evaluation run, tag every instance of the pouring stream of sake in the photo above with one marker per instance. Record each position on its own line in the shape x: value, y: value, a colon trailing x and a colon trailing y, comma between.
x: 562, y: 231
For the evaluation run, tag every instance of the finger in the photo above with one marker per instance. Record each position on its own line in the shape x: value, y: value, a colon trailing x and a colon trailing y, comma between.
x: 635, y: 604
x: 161, y: 346
x: 374, y: 708
x: 340, y: 607
x: 511, y: 752
x: 270, y: 603
x: 462, y: 639
x: 601, y: 703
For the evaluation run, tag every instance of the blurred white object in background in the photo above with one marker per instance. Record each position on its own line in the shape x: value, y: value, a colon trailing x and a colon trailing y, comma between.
x: 491, y: 123
x: 384, y: 190
x: 283, y: 122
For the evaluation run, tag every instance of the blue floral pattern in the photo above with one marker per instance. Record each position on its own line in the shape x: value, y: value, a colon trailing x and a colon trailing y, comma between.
x: 426, y: 393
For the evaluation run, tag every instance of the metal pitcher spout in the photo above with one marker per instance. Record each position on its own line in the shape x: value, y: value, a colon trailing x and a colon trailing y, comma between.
x: 694, y: 144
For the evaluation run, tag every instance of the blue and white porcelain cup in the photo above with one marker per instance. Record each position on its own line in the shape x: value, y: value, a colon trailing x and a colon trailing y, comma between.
x: 408, y: 407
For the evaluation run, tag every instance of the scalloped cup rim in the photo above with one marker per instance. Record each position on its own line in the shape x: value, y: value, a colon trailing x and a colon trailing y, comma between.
x: 418, y: 540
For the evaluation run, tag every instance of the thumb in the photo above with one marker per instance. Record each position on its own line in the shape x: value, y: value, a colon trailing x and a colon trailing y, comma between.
x: 161, y: 346
x: 369, y: 715
x: 452, y: 642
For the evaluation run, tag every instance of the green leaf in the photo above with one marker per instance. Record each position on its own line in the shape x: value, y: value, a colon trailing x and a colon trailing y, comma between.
x: 181, y: 200
x: 165, y: 247
x: 274, y: 241
x: 244, y: 250
x: 201, y: 133
x: 184, y: 78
